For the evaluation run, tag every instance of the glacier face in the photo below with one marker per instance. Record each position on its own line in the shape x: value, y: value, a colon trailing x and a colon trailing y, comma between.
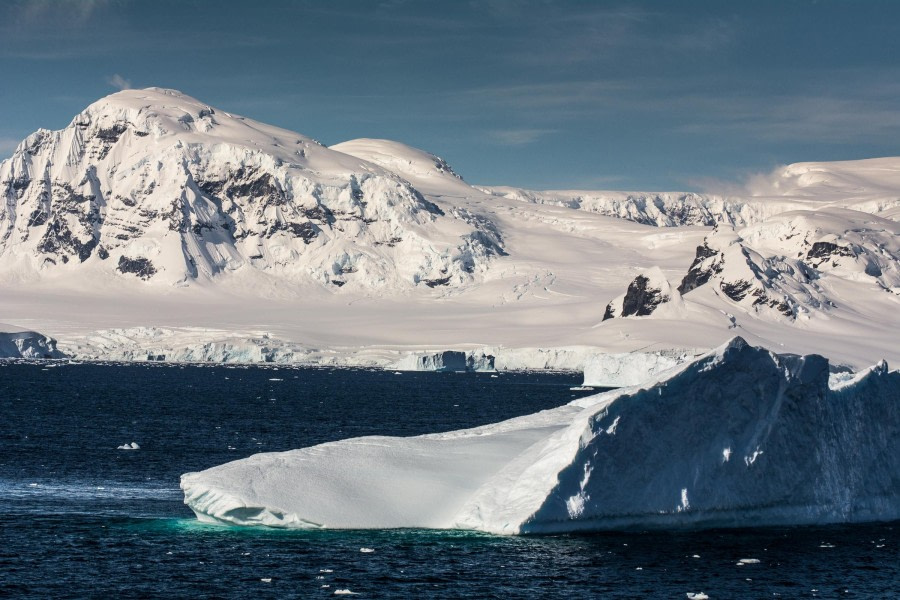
x: 740, y: 436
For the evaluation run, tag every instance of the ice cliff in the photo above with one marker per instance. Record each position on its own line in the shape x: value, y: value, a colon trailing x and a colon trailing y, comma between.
x: 20, y: 343
x: 739, y: 436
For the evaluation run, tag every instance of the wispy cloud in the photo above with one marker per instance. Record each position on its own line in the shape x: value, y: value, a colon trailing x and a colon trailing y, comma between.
x: 517, y: 137
x: 117, y: 81
x: 70, y: 12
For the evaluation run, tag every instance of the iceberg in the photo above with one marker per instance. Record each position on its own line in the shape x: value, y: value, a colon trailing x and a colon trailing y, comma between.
x: 739, y: 436
x: 21, y: 343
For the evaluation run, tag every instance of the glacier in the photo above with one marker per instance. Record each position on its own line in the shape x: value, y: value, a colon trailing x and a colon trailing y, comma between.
x: 739, y: 436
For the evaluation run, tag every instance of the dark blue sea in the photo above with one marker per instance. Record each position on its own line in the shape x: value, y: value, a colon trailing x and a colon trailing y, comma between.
x: 81, y: 519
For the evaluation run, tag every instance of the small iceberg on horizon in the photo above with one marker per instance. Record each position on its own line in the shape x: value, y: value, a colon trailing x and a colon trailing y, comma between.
x: 740, y: 436
x: 131, y: 446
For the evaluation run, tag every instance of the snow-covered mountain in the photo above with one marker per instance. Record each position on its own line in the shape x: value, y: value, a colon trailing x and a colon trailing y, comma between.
x: 156, y: 186
x: 156, y: 225
x: 871, y: 186
x: 790, y: 266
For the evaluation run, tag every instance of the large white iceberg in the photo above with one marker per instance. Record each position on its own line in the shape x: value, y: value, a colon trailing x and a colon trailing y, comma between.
x: 740, y: 436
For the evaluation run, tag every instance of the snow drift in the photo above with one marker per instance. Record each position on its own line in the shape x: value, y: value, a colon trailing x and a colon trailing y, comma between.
x: 736, y: 437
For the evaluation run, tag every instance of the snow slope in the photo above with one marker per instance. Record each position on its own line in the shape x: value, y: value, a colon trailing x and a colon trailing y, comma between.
x: 738, y: 436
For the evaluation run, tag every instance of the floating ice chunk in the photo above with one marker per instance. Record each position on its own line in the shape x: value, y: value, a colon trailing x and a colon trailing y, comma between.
x: 266, y: 580
x: 748, y: 561
x: 726, y: 455
x: 276, y: 379
x: 749, y: 460
x: 367, y: 550
x: 344, y: 592
x: 697, y: 596
x: 131, y: 446
x: 517, y: 476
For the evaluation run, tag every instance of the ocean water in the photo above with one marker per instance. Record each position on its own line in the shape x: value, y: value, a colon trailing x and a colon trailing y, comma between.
x: 81, y: 519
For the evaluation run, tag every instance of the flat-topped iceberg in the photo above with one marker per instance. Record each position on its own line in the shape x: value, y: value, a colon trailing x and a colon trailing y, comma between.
x: 739, y: 436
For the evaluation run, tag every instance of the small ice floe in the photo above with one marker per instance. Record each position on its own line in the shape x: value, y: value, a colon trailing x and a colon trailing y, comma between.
x: 696, y: 556
x: 266, y: 580
x: 748, y: 561
x: 367, y: 550
x: 395, y: 373
x: 826, y: 545
x: 581, y: 388
x: 131, y: 446
x: 275, y: 379
x: 697, y: 596
x: 639, y: 568
x: 494, y: 376
x: 326, y: 570
x: 344, y: 592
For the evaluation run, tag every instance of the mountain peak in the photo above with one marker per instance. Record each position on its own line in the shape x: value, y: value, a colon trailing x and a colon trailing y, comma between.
x: 155, y: 185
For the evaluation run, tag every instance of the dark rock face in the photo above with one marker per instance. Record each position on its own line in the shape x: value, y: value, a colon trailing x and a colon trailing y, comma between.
x: 737, y: 290
x: 740, y: 289
x: 59, y: 238
x: 822, y: 251
x: 436, y: 282
x: 700, y: 270
x: 142, y: 267
x: 306, y: 231
x: 609, y: 313
x: 641, y: 299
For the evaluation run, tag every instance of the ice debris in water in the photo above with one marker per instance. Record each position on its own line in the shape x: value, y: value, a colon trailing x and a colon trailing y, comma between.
x: 344, y: 592
x: 131, y: 446
x: 748, y: 561
x: 367, y: 550
x: 697, y: 596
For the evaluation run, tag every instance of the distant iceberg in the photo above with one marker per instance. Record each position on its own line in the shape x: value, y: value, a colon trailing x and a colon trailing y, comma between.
x: 739, y: 436
x: 21, y: 343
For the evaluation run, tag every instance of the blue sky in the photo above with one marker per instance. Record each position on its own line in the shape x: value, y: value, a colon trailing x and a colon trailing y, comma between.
x: 538, y: 94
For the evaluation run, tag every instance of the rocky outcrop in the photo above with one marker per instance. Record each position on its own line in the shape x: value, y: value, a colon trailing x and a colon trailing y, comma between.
x: 647, y: 292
